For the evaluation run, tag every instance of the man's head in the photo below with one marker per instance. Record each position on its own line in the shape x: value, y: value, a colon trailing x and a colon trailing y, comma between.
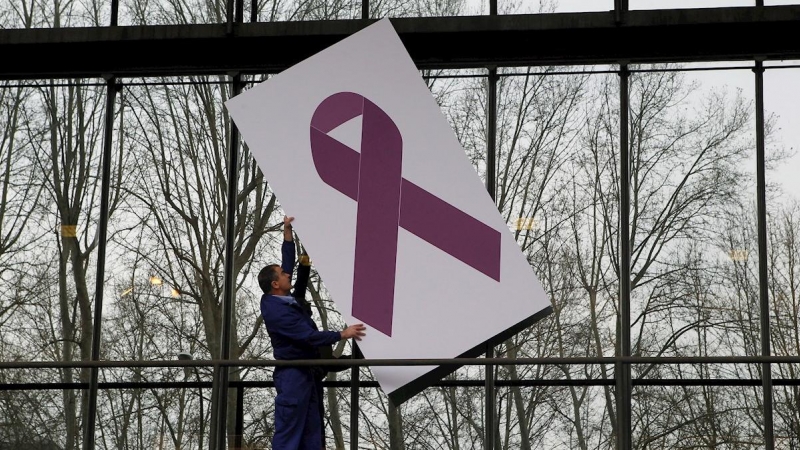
x: 273, y: 280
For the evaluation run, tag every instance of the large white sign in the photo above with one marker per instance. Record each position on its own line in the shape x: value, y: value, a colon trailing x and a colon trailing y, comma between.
x: 393, y: 214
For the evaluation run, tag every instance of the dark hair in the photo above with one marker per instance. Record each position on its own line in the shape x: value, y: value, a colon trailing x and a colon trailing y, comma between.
x: 267, y: 276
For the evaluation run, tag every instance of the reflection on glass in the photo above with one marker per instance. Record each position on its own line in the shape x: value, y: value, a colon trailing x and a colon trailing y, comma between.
x: 679, y: 4
x: 694, y: 266
x: 781, y: 97
x: 442, y: 8
x: 786, y: 399
x: 50, y: 205
x: 463, y: 101
x: 36, y: 419
x: 699, y: 417
x: 144, y: 12
x: 153, y: 418
x: 556, y: 189
x: 54, y: 14
x: 167, y: 240
x: 165, y: 292
x: 50, y: 148
x: 552, y: 6
x: 526, y: 417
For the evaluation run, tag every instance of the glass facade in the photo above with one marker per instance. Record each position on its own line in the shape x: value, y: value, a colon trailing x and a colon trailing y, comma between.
x: 656, y: 203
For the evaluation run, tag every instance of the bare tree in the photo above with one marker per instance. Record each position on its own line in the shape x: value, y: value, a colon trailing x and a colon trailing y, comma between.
x: 181, y: 132
x: 20, y: 192
x: 58, y: 143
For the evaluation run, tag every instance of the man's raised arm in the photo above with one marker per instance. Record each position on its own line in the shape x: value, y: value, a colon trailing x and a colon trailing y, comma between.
x: 288, y: 251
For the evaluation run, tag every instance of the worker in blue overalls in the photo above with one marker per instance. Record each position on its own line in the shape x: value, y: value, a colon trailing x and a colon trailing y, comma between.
x: 294, y: 335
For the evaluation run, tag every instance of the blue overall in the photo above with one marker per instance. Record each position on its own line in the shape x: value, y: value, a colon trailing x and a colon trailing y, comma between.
x: 294, y: 335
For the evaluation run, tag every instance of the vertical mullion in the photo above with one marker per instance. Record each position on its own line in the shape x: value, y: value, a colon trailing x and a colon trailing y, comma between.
x: 622, y: 372
x: 354, y: 394
x: 763, y: 277
x: 91, y: 411
x: 491, y: 186
x: 222, y: 373
x: 114, y: 12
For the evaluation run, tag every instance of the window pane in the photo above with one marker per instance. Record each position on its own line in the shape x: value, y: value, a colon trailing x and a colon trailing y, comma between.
x: 786, y: 400
x: 461, y: 95
x: 698, y: 417
x: 167, y: 239
x: 36, y: 417
x: 153, y: 418
x: 694, y: 252
x: 55, y: 14
x: 782, y: 112
x: 550, y: 6
x: 557, y: 190
x: 145, y: 12
x: 53, y: 147
x: 675, y: 4
x: 298, y: 10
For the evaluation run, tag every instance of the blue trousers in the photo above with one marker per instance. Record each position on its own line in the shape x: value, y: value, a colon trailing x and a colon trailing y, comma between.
x: 298, y: 425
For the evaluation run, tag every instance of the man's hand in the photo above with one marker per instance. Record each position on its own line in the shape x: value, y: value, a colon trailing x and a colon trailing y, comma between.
x: 287, y: 228
x: 354, y: 331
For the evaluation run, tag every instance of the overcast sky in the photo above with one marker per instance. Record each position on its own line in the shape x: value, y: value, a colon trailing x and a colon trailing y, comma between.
x: 781, y: 87
x: 605, y: 5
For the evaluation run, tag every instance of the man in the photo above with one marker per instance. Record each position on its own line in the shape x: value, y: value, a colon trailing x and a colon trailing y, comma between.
x: 326, y: 351
x: 294, y: 335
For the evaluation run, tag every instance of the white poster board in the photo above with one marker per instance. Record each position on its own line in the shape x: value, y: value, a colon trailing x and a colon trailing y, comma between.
x: 392, y: 213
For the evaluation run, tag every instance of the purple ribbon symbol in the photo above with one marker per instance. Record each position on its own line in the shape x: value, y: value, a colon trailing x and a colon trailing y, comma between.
x: 386, y: 202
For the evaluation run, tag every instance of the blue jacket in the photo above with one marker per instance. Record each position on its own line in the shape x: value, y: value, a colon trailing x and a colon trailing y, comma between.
x: 293, y: 333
